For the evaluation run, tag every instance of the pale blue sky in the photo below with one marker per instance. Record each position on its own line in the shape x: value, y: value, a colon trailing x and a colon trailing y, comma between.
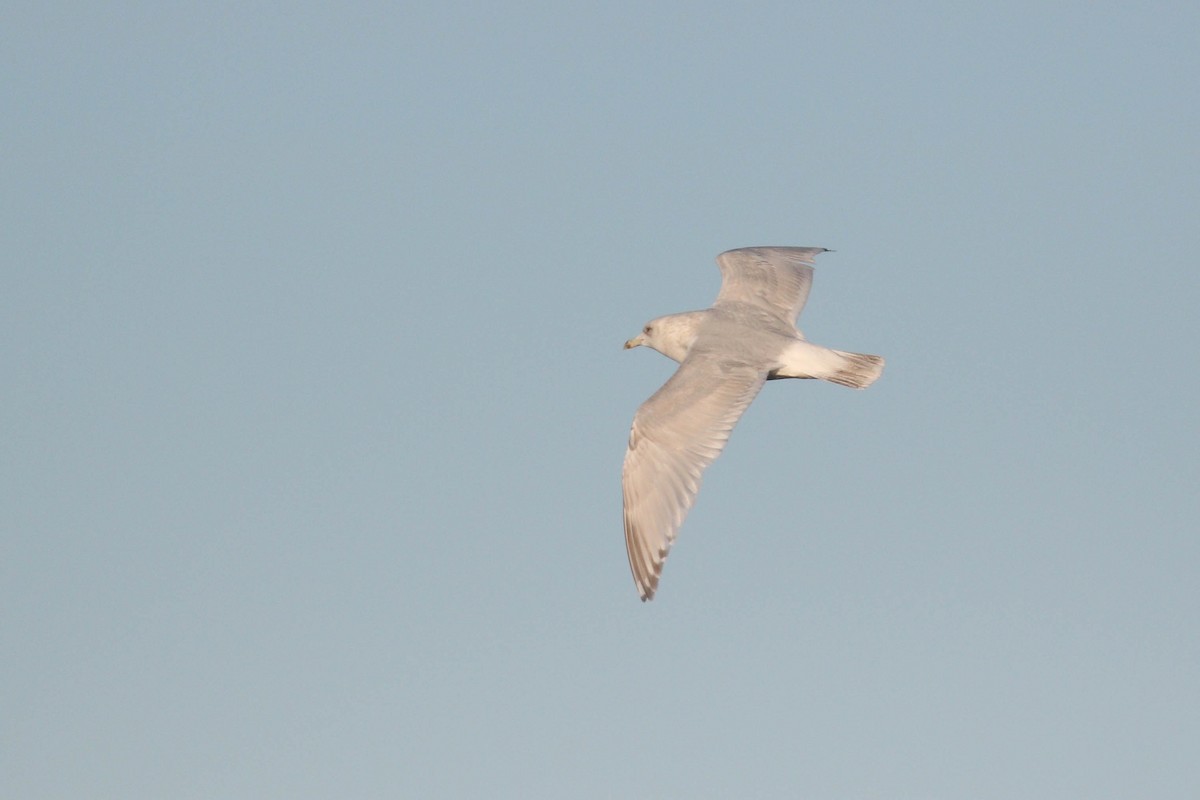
x: 314, y: 401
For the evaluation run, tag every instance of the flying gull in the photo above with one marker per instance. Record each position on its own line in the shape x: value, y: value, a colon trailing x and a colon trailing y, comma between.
x: 725, y: 354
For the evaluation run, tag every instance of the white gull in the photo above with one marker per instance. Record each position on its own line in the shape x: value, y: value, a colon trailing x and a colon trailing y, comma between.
x: 725, y: 354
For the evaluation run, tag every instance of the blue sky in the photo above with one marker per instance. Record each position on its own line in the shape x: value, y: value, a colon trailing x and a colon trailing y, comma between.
x: 315, y: 402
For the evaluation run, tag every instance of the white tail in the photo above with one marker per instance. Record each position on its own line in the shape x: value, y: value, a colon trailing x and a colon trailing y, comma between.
x: 857, y: 370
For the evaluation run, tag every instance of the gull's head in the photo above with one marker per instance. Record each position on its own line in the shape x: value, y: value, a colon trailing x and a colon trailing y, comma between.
x: 648, y: 337
x: 671, y: 335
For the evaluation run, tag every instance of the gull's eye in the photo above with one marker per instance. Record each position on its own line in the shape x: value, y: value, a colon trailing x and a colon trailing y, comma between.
x: 647, y: 329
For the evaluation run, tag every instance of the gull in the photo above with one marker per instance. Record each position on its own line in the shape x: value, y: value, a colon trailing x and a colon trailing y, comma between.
x: 725, y: 353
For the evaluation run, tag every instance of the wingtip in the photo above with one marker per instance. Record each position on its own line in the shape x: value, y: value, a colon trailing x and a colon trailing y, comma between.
x: 646, y: 586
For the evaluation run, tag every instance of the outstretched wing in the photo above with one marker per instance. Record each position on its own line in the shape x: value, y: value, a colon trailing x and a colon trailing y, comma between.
x: 773, y: 278
x: 676, y: 434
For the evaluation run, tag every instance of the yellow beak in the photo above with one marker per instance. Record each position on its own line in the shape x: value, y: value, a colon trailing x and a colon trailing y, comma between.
x: 635, y: 341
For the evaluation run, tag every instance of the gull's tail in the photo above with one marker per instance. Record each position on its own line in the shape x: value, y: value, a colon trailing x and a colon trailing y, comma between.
x: 856, y: 370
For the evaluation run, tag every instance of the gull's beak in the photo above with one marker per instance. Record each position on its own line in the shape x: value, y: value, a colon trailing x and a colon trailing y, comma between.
x: 635, y: 341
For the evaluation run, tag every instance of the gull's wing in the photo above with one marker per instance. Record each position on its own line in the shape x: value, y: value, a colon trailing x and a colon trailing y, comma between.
x: 678, y: 432
x: 773, y: 278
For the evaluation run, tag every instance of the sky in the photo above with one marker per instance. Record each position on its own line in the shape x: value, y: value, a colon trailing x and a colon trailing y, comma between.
x: 314, y: 401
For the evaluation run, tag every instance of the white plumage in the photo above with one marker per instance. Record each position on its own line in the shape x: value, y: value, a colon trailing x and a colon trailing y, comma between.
x: 725, y: 354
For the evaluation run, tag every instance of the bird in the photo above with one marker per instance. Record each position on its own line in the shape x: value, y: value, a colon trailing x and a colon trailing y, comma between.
x: 725, y: 353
